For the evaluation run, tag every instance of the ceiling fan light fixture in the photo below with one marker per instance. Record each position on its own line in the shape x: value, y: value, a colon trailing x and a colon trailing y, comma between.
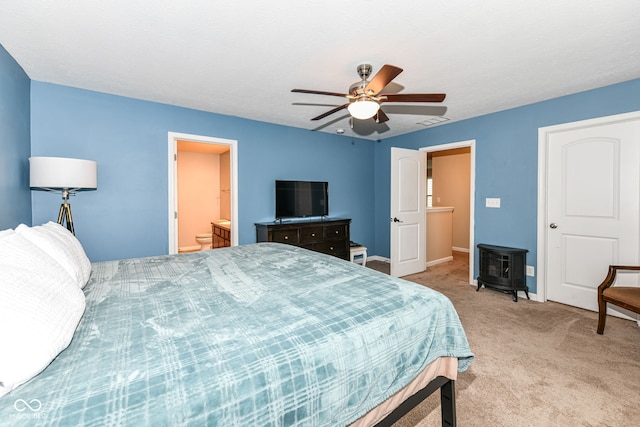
x: 363, y: 108
x: 366, y: 96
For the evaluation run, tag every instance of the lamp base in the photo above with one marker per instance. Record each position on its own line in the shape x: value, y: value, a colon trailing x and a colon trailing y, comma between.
x: 65, y: 216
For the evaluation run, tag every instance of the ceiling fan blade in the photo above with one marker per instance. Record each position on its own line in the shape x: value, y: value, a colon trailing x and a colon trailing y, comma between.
x: 412, y: 97
x: 382, y: 78
x: 381, y: 117
x: 320, y: 92
x: 335, y: 110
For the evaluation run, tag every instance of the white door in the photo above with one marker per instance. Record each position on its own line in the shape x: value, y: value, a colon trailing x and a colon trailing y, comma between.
x: 408, y: 211
x: 593, y: 208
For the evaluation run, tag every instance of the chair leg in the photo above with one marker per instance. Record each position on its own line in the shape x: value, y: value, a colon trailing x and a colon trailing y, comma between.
x: 602, y: 315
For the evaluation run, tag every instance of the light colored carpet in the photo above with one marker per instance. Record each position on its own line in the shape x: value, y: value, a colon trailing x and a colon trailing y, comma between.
x: 537, y: 364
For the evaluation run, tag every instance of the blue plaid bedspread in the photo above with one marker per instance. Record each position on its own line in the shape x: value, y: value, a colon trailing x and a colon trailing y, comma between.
x: 255, y: 335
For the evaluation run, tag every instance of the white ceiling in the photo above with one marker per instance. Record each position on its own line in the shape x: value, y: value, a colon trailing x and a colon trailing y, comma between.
x: 242, y: 57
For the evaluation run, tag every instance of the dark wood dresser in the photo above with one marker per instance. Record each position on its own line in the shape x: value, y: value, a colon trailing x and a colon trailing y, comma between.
x: 329, y: 236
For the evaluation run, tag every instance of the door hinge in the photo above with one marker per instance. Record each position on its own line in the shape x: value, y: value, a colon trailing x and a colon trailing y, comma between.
x: 175, y: 157
x: 175, y: 215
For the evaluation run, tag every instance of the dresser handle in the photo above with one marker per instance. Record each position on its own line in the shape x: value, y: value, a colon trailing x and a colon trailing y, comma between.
x: 337, y: 232
x: 313, y: 234
x: 286, y: 237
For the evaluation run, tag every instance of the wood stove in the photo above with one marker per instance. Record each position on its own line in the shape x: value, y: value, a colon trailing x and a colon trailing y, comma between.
x: 503, y: 268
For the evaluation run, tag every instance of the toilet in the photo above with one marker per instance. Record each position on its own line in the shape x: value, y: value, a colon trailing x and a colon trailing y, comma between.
x: 204, y: 240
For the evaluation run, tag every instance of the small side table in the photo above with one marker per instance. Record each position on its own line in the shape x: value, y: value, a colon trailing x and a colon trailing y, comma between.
x: 359, y: 251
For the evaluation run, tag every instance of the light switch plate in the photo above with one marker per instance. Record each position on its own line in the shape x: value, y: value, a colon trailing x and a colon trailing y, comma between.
x: 492, y: 202
x: 531, y: 271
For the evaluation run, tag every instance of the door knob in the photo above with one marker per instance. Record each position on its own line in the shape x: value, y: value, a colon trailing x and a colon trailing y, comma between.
x: 394, y: 219
x: 553, y: 225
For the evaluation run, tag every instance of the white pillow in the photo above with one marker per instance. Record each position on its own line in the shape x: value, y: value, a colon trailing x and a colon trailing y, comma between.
x: 60, y: 244
x: 40, y: 307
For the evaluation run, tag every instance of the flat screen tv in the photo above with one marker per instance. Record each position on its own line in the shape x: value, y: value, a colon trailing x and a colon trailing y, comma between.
x: 298, y: 199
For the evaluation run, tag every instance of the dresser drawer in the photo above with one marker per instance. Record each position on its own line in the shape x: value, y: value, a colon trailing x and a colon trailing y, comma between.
x: 291, y: 236
x: 329, y: 236
x: 337, y: 249
x: 311, y: 234
x: 335, y: 232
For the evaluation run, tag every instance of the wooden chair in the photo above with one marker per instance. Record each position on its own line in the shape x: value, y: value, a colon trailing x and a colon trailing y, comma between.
x: 622, y: 296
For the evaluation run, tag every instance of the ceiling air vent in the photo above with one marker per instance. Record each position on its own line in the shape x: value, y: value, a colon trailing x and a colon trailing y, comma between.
x: 433, y: 121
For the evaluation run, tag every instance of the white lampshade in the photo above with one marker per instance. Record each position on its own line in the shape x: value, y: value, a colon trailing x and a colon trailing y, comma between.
x: 363, y: 109
x: 59, y: 173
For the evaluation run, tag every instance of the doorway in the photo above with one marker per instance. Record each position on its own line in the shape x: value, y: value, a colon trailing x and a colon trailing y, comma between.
x: 442, y: 152
x: 448, y: 207
x: 395, y: 240
x: 588, y: 206
x: 209, y: 159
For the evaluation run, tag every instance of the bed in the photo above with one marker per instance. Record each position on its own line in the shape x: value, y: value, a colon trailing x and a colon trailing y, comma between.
x: 256, y: 335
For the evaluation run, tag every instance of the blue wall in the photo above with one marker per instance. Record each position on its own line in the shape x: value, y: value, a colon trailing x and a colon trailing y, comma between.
x: 127, y: 216
x: 506, y: 163
x: 15, y: 145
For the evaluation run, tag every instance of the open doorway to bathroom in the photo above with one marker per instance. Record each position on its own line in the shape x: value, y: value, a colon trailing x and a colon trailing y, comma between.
x: 203, y: 192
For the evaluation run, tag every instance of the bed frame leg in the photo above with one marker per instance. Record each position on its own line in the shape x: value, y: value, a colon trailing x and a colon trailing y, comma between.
x: 448, y: 403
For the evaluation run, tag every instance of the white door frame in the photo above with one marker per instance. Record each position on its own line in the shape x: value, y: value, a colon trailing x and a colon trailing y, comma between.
x: 172, y: 151
x: 543, y: 140
x: 472, y: 192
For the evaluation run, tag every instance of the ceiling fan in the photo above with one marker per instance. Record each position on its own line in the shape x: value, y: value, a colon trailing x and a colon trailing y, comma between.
x: 365, y: 97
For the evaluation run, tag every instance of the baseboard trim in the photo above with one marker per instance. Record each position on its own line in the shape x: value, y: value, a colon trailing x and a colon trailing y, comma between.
x: 439, y: 261
x: 456, y: 249
x: 378, y: 258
